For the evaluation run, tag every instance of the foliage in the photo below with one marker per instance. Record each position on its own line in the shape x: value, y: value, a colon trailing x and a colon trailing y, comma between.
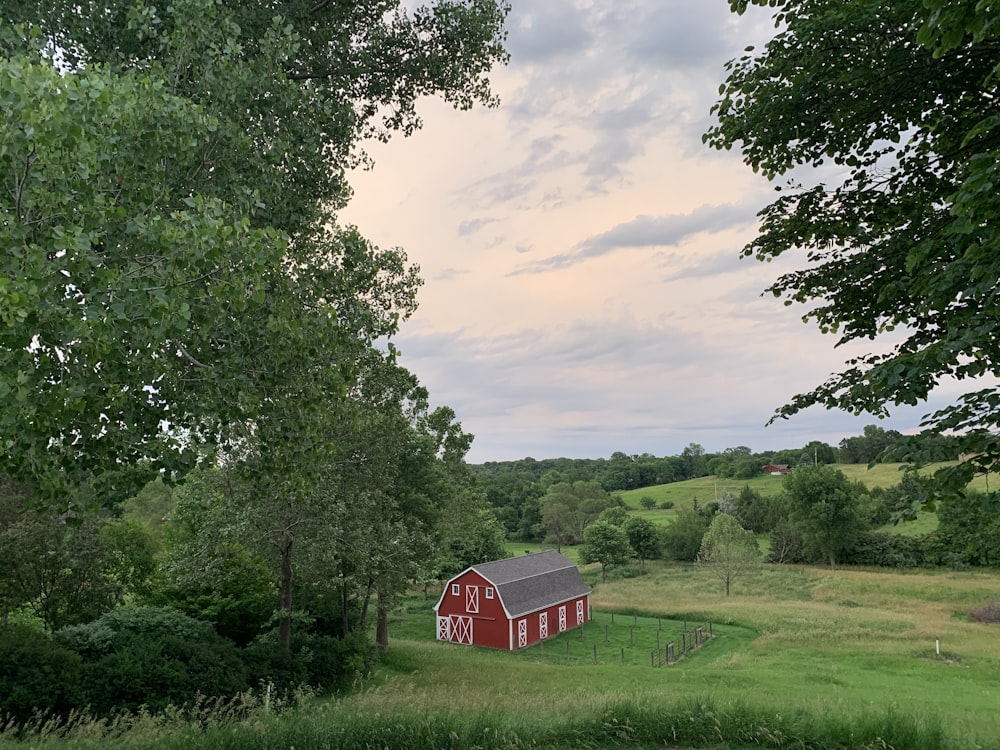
x: 68, y: 569
x: 868, y: 447
x: 37, y: 675
x: 644, y: 539
x: 729, y: 550
x: 900, y: 230
x: 607, y: 544
x: 568, y: 508
x: 682, y: 539
x: 824, y: 510
x: 188, y: 270
x: 151, y: 657
x: 988, y: 613
x: 968, y: 530
x: 884, y: 550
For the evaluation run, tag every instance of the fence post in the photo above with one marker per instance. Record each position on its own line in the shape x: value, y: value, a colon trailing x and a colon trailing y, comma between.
x: 631, y: 636
x: 605, y: 633
x: 595, y: 653
x: 659, y: 624
x: 652, y: 658
x: 709, y: 628
x: 567, y: 647
x: 623, y: 654
x: 657, y: 638
x: 635, y: 619
x: 612, y: 618
x: 684, y: 646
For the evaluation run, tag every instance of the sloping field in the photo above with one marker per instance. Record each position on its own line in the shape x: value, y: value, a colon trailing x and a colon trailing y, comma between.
x: 789, y: 639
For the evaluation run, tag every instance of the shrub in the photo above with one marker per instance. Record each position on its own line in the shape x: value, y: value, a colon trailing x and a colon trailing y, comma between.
x: 885, y: 550
x: 667, y: 504
x: 152, y: 657
x: 323, y: 662
x: 648, y: 502
x: 38, y: 677
x: 988, y: 613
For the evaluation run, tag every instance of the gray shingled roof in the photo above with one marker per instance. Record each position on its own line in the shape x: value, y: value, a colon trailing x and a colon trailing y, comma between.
x: 533, y: 581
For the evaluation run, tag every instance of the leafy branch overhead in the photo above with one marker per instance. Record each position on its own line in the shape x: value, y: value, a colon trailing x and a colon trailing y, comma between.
x: 173, y: 271
x: 883, y: 117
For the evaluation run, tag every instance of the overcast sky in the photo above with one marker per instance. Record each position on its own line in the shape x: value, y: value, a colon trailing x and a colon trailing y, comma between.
x: 583, y: 289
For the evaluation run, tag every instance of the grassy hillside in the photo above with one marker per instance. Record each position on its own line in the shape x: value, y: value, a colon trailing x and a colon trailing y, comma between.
x: 801, y: 658
x: 790, y: 638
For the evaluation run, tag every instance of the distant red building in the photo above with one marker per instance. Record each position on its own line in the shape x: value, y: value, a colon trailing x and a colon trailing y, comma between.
x: 513, y: 603
x: 777, y: 468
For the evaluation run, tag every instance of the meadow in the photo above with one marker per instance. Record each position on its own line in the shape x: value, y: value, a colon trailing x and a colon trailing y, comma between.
x: 790, y: 638
x: 800, y: 657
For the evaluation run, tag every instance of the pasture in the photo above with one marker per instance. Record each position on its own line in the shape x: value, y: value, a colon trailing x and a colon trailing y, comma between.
x: 837, y: 642
x: 801, y: 658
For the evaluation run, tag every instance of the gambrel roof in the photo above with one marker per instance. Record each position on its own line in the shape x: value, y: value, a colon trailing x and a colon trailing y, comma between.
x: 530, y: 582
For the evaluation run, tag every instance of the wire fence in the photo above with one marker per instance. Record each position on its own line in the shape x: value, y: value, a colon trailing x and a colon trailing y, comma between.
x: 625, y: 639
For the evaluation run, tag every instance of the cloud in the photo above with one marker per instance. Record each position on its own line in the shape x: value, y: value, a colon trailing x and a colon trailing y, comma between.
x: 649, y: 231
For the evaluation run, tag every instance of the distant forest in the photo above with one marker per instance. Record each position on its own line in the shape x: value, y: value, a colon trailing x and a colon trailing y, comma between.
x: 514, y: 488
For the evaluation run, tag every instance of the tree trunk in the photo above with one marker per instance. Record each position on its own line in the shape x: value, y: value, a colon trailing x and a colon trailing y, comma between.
x: 382, y: 624
x: 345, y: 622
x: 364, y: 604
x: 285, y: 593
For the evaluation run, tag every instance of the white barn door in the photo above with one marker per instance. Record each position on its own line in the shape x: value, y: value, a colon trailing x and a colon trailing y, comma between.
x: 543, y: 625
x: 472, y: 599
x: 562, y: 618
x: 579, y: 612
x: 522, y: 633
x: 444, y: 629
x: 456, y: 629
x: 461, y: 629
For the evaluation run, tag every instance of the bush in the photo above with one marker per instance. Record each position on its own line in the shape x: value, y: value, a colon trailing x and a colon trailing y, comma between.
x: 648, y: 502
x: 884, y: 550
x: 323, y: 662
x: 152, y: 657
x: 667, y: 504
x: 38, y: 677
x: 989, y: 613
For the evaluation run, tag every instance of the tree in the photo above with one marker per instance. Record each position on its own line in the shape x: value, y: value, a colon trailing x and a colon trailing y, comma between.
x: 172, y: 253
x: 869, y: 446
x: 729, y: 550
x: 682, y: 538
x: 607, y: 544
x: 69, y: 570
x: 902, y: 231
x: 643, y: 538
x: 824, y: 509
x: 568, y: 508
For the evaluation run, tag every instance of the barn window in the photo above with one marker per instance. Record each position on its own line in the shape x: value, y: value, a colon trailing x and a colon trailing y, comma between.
x: 489, y: 593
x: 456, y: 590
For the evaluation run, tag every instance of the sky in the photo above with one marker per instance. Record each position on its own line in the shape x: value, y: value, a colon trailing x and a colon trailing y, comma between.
x: 580, y: 248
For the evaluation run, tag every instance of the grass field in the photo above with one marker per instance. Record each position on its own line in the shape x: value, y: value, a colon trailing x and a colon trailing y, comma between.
x: 801, y: 657
x: 790, y: 638
x: 707, y: 489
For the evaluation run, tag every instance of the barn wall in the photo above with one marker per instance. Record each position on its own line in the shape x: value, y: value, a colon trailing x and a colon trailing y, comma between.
x: 533, y: 621
x: 489, y: 622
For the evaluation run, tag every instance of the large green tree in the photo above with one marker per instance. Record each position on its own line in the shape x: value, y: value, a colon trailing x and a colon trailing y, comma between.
x: 173, y: 273
x: 825, y: 509
x: 607, y: 544
x: 883, y: 117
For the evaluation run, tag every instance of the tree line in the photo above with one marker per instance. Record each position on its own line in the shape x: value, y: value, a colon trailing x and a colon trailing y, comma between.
x: 818, y: 517
x: 515, y: 488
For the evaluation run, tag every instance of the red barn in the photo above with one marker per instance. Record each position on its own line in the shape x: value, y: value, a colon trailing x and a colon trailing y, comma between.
x: 513, y: 603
